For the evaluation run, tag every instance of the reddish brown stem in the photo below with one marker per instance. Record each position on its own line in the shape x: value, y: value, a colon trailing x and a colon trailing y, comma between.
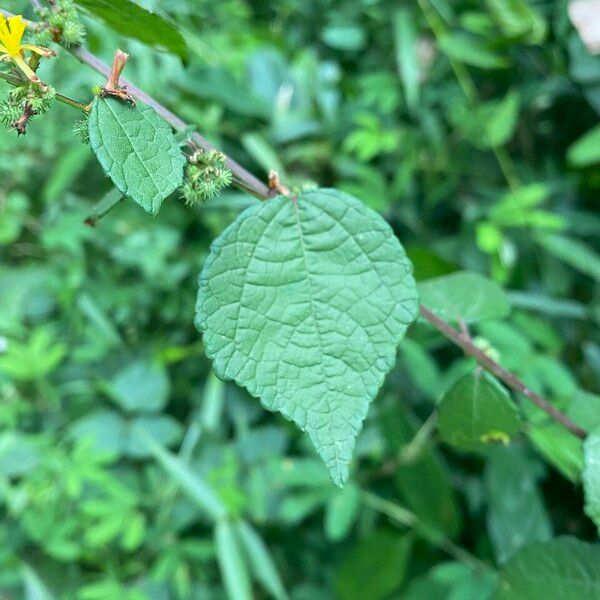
x: 511, y: 380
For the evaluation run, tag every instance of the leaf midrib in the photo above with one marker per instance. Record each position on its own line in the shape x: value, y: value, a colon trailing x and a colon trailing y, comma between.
x: 316, y: 322
x: 129, y: 139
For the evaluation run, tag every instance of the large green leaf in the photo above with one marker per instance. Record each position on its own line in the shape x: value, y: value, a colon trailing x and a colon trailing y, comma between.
x: 303, y: 302
x: 137, y: 150
x: 555, y: 570
x: 130, y: 19
x: 467, y: 296
x: 477, y: 411
x: 591, y: 477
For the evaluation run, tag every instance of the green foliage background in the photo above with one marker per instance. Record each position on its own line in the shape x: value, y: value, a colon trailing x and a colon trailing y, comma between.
x: 461, y: 123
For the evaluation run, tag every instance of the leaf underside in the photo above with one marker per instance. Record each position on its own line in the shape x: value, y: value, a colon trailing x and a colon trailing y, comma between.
x: 130, y: 19
x: 303, y: 302
x: 137, y: 150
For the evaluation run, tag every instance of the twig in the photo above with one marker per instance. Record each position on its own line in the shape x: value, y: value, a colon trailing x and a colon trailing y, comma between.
x: 511, y: 380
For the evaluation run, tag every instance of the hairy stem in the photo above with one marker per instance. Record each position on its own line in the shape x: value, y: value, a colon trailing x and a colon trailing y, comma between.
x: 248, y: 182
x: 16, y: 81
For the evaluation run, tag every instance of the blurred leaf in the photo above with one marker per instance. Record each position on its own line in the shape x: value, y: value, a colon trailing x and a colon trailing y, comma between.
x: 263, y: 153
x: 19, y: 453
x: 465, y: 296
x: 374, y: 567
x: 35, y: 588
x: 453, y: 581
x: 477, y: 411
x: 559, y: 447
x: 231, y: 563
x: 586, y: 150
x: 424, y: 482
x: 487, y: 124
x: 591, y: 477
x: 140, y: 386
x: 12, y: 212
x: 516, y: 514
x: 502, y: 119
x: 518, y: 19
x: 66, y: 171
x: 421, y: 368
x: 260, y: 560
x: 344, y: 37
x: 137, y: 150
x: 191, y: 483
x: 560, y: 568
x: 341, y: 512
x: 330, y: 369
x: 576, y: 254
x: 471, y: 50
x: 132, y: 20
x: 33, y: 359
x: 405, y: 30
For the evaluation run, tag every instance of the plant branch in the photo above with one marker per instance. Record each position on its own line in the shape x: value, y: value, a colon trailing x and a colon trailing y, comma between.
x: 511, y: 380
x: 241, y: 177
x: 248, y: 182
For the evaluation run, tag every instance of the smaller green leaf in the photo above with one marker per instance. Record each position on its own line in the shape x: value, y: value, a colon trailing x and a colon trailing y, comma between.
x: 554, y: 570
x: 137, y: 150
x: 464, y: 295
x: 586, y: 150
x: 130, y: 19
x: 591, y: 477
x: 477, y: 411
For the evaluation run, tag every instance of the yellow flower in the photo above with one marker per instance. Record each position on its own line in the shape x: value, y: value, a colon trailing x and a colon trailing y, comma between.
x: 11, y: 49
